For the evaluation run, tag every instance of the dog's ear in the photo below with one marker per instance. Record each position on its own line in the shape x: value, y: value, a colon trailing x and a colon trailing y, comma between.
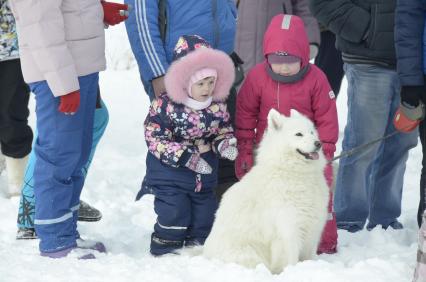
x: 294, y: 113
x: 275, y: 120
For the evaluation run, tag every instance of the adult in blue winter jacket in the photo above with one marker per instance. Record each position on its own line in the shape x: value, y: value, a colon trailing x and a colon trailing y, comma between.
x: 154, y: 31
x: 411, y: 66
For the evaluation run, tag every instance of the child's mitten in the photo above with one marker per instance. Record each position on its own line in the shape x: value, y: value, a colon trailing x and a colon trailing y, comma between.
x: 198, y: 164
x: 228, y: 149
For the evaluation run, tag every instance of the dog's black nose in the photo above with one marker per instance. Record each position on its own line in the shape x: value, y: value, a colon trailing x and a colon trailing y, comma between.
x: 317, y: 144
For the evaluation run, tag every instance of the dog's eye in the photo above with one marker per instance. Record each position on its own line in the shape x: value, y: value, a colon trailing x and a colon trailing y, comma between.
x: 299, y: 134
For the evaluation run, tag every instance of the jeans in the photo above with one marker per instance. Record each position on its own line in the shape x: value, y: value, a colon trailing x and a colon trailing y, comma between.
x: 62, y: 149
x: 369, y: 183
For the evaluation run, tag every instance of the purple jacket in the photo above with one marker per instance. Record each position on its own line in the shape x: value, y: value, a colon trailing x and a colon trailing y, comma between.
x: 253, y: 19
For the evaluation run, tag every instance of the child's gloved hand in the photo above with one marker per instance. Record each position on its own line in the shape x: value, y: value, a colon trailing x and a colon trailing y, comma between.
x: 70, y: 102
x: 243, y: 164
x: 114, y: 13
x: 198, y: 164
x: 228, y: 149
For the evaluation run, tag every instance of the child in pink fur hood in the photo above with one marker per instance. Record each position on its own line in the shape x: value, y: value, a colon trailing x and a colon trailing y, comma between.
x: 187, y: 130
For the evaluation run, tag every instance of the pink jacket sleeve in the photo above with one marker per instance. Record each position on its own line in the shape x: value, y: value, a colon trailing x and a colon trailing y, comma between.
x: 247, y: 112
x: 325, y: 115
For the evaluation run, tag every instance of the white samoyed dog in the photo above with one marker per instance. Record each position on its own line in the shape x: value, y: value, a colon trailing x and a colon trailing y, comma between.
x: 276, y: 213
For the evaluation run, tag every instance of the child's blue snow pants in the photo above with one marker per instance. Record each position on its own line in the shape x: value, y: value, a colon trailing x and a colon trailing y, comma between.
x: 62, y: 149
x: 27, y: 202
x: 183, y: 215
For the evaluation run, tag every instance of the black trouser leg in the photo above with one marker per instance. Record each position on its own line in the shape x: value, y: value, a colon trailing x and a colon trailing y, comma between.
x: 422, y: 203
x: 226, y: 172
x: 15, y: 134
x: 329, y: 60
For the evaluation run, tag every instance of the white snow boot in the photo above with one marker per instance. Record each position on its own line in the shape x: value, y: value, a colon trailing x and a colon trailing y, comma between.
x: 15, y: 174
x: 2, y: 163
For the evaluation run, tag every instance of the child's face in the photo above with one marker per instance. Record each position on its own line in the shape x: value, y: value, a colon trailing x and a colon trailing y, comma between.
x: 286, y: 69
x: 203, y: 89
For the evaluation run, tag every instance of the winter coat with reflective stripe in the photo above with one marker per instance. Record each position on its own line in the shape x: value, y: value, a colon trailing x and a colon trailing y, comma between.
x: 60, y: 40
x: 184, y: 17
x: 311, y: 96
x: 410, y: 39
x: 8, y: 37
x: 253, y: 19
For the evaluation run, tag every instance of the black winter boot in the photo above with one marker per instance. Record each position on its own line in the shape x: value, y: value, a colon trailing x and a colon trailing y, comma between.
x: 88, y: 213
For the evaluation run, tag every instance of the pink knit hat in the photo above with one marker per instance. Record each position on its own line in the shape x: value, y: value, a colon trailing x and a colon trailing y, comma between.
x: 192, y: 54
x: 199, y: 75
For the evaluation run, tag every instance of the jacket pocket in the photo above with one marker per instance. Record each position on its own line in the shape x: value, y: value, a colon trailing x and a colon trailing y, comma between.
x: 380, y: 35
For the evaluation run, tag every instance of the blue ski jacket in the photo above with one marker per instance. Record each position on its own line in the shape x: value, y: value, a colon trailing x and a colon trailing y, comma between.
x: 214, y: 20
x: 410, y: 39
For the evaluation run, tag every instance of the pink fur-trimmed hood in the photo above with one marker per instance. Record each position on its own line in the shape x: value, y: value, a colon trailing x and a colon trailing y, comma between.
x: 181, y: 70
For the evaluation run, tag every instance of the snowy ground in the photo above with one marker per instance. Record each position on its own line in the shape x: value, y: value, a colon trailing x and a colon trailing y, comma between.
x: 111, y: 186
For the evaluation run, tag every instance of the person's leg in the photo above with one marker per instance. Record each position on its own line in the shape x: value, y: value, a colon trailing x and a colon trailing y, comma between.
x: 87, y: 212
x: 172, y: 206
x: 61, y: 153
x: 226, y: 170
x: 203, y: 208
x: 15, y: 133
x: 420, y: 270
x: 369, y: 103
x: 88, y: 94
x: 387, y: 173
x: 329, y: 60
x: 422, y: 202
x: 26, y: 211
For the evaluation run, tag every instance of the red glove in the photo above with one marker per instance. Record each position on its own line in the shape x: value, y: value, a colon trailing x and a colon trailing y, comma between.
x: 407, y: 119
x: 114, y: 13
x: 243, y: 163
x: 70, y: 102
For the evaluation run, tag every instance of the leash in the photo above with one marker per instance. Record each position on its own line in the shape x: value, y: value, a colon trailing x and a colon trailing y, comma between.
x: 363, y: 147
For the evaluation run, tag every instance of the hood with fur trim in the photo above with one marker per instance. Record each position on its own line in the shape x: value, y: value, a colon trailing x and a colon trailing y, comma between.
x: 181, y: 70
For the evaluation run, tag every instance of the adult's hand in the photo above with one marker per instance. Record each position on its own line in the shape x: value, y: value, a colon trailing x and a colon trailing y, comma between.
x: 70, y: 103
x: 114, y: 13
x: 158, y: 86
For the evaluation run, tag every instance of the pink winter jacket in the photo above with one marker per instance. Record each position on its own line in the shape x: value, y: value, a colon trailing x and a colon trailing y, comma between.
x: 312, y: 95
x: 60, y: 40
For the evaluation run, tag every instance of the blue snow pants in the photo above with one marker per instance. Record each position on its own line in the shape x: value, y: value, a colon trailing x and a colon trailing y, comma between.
x: 27, y: 203
x: 183, y: 216
x: 62, y: 149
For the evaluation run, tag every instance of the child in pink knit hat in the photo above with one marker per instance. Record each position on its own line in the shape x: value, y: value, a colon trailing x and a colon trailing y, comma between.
x: 187, y: 130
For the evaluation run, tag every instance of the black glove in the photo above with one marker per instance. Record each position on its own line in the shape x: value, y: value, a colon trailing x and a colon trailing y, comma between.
x: 411, y: 95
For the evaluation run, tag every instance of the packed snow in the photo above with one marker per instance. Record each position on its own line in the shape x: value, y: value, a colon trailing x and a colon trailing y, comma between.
x: 126, y: 226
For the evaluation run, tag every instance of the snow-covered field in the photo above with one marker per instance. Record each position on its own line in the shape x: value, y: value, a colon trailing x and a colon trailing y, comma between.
x: 114, y: 180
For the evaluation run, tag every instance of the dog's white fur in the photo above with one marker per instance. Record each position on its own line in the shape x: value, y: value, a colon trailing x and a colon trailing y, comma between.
x: 276, y: 213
